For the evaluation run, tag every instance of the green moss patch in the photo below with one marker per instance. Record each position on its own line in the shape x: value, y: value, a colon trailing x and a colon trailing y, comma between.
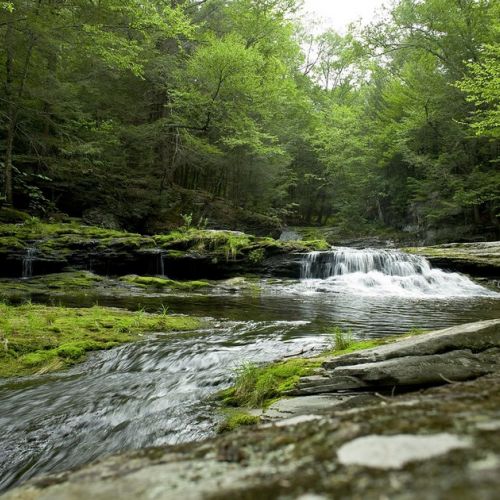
x: 37, y: 339
x: 236, y: 418
x: 163, y: 283
x: 230, y: 245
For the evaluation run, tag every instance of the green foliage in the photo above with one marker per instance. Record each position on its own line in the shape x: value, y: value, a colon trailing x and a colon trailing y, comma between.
x: 482, y: 85
x: 124, y: 106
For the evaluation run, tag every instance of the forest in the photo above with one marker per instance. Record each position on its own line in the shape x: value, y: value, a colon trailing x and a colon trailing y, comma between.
x: 247, y: 255
x: 137, y: 114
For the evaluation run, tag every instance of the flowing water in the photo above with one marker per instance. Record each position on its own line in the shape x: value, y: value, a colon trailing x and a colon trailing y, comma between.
x: 27, y: 263
x: 157, y: 391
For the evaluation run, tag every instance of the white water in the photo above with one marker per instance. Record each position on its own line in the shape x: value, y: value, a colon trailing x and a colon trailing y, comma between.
x: 382, y: 272
x: 28, y: 263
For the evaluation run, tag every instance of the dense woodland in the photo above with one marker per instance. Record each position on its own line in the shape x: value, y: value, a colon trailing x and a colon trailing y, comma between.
x: 133, y: 113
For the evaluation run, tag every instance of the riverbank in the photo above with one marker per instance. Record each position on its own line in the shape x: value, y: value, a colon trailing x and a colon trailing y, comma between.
x: 429, y: 442
x: 37, y: 339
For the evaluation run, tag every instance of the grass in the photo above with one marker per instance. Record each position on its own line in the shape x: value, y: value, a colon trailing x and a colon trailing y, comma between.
x: 341, y: 340
x: 258, y: 386
x: 38, y: 339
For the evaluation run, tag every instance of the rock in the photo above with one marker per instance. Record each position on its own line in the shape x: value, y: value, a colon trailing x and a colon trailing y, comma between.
x: 316, y: 405
x: 188, y: 254
x: 417, y: 370
x: 478, y: 336
x: 481, y: 259
x: 394, y: 452
x: 423, y: 446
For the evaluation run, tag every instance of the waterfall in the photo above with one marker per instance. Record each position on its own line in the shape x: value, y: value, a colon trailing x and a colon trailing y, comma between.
x: 322, y: 265
x: 383, y: 272
x: 28, y: 259
x: 159, y: 263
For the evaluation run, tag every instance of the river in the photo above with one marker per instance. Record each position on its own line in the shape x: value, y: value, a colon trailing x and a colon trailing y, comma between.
x: 157, y: 391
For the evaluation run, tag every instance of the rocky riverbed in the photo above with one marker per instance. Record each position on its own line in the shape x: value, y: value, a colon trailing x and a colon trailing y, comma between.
x: 384, y: 438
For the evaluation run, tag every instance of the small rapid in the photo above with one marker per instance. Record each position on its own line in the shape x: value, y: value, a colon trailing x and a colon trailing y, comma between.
x: 383, y: 272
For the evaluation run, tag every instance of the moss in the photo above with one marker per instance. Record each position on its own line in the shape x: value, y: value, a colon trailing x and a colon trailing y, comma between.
x: 256, y: 255
x: 38, y: 338
x: 236, y: 418
x: 230, y: 245
x: 162, y: 283
x: 465, y: 253
x: 227, y: 244
x: 60, y: 240
x: 10, y: 244
x: 80, y: 282
x: 10, y: 215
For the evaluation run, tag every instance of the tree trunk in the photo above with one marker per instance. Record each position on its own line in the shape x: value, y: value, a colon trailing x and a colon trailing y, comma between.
x: 8, y: 192
x: 477, y: 214
x: 9, y: 61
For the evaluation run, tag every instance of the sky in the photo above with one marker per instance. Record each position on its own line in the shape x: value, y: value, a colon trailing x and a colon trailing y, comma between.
x: 337, y: 14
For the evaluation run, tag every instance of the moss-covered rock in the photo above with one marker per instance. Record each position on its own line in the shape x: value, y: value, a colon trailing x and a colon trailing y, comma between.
x: 155, y: 282
x: 184, y: 254
x: 214, y: 254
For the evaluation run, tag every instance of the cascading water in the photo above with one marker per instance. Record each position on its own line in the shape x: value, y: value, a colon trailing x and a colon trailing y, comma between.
x: 159, y: 262
x: 383, y: 272
x: 28, y: 259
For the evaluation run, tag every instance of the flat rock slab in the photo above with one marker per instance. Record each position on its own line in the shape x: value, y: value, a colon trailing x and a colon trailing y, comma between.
x: 452, y: 366
x: 477, y: 337
x: 307, y: 405
x: 394, y: 452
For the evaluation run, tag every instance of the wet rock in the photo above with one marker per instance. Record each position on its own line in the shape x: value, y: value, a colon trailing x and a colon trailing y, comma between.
x: 481, y: 259
x: 477, y: 337
x: 417, y: 370
x: 393, y: 452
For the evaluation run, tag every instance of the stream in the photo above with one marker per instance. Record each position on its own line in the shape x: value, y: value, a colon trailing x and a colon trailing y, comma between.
x: 157, y: 391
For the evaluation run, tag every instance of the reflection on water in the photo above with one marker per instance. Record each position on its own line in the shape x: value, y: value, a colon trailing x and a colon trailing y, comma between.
x: 156, y: 391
